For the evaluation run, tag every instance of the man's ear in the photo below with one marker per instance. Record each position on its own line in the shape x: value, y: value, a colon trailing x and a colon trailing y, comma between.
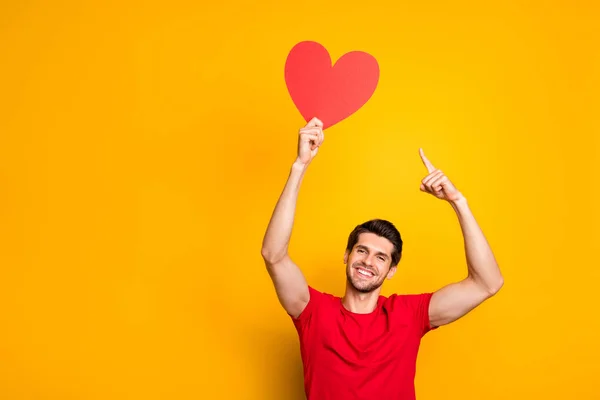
x: 346, y: 257
x: 391, y: 272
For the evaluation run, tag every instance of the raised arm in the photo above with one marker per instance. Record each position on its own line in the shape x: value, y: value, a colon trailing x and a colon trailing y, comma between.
x: 290, y: 284
x: 484, y: 278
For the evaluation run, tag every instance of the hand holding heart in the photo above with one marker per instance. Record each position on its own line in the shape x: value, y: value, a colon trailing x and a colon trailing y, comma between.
x: 438, y: 184
x: 309, y: 139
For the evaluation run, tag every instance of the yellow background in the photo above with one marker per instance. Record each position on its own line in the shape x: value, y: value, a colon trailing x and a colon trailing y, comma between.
x: 144, y: 145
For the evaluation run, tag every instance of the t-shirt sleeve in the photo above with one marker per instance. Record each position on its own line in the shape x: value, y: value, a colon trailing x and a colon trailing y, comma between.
x: 302, y: 322
x: 419, y: 306
x: 422, y: 312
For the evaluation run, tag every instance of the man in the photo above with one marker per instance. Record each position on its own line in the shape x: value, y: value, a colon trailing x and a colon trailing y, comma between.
x: 364, y: 345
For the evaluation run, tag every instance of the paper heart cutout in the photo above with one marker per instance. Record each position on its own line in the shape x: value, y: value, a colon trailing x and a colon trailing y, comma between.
x: 330, y: 93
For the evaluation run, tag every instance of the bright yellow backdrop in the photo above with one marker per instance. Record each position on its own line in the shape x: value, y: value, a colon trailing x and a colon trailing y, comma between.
x: 144, y: 145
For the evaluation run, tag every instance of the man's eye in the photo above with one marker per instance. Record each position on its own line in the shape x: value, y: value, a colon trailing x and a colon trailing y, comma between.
x: 381, y: 259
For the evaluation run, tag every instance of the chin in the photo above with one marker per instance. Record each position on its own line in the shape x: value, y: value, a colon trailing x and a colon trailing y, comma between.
x: 364, y: 288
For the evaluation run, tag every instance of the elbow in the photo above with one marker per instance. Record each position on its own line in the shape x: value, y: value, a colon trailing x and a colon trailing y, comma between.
x: 496, y: 286
x: 490, y: 286
x: 271, y: 257
x: 266, y: 254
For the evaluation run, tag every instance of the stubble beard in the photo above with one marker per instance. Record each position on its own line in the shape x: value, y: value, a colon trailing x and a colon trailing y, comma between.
x: 357, y: 286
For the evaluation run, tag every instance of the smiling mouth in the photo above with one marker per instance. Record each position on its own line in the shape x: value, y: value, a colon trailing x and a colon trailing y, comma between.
x: 364, y: 273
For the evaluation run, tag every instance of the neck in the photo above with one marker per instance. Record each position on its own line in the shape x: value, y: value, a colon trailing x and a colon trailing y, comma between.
x: 358, y: 302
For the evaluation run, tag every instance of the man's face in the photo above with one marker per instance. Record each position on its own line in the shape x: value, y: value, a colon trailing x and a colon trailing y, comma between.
x: 368, y: 264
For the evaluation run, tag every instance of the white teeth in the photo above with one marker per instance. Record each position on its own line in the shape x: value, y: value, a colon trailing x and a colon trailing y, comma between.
x: 365, y: 273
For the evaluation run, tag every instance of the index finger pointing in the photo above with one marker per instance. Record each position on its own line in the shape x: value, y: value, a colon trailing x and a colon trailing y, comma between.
x: 426, y: 162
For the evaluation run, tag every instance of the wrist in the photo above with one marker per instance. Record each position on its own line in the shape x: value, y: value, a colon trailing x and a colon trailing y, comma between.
x: 459, y: 203
x: 299, y: 165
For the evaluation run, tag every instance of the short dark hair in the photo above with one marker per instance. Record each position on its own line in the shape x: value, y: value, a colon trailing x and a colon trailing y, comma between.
x: 381, y: 228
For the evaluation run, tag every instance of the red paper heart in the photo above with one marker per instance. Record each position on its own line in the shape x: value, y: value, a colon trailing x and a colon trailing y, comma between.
x: 329, y: 93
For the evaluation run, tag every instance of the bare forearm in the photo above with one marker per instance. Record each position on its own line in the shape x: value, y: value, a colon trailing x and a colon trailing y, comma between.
x: 481, y: 262
x: 279, y: 230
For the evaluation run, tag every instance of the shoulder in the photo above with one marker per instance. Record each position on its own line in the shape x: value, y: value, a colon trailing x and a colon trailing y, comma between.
x: 396, y: 301
x: 412, y: 308
x: 321, y: 297
x: 317, y: 300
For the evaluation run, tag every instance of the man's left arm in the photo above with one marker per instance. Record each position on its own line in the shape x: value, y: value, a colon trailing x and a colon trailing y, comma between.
x: 484, y: 278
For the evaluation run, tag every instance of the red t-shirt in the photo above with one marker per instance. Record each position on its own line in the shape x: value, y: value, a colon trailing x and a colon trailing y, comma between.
x: 351, y: 356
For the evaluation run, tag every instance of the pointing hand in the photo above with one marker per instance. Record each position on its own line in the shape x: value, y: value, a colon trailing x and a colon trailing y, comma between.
x: 436, y: 183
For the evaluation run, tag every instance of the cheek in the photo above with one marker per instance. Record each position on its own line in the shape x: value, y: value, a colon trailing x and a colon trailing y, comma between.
x: 384, y: 268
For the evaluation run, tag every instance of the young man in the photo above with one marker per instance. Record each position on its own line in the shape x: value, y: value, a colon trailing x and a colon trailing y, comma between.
x: 364, y: 345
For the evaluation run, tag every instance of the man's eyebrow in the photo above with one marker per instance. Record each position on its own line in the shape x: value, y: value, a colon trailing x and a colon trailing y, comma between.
x: 360, y: 246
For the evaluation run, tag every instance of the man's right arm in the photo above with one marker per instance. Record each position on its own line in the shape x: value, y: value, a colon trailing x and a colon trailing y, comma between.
x: 290, y: 284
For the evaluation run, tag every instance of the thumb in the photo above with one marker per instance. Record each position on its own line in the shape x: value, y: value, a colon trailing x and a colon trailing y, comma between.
x: 314, y: 123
